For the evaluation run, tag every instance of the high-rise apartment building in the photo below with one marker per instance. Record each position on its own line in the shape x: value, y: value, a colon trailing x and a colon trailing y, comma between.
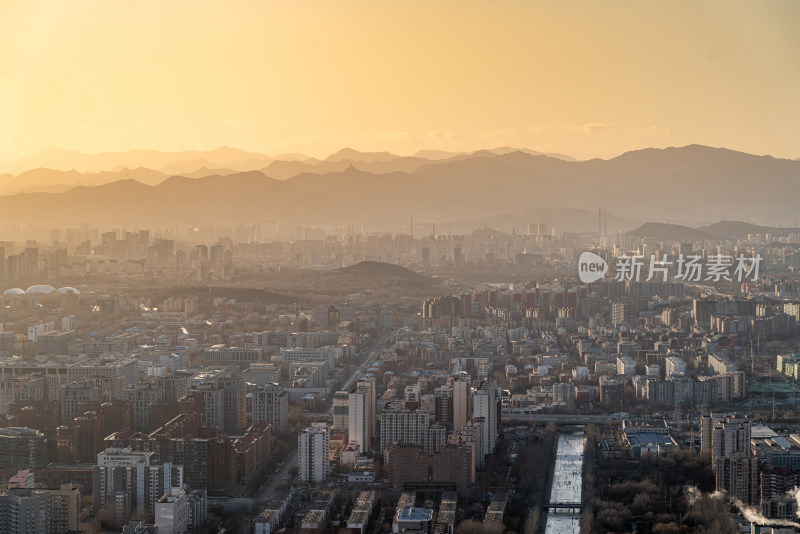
x: 621, y: 312
x: 368, y: 382
x: 460, y: 402
x: 443, y: 406
x: 21, y: 388
x: 313, y: 453
x: 735, y: 467
x: 22, y: 448
x: 341, y: 410
x: 359, y: 428
x: 141, y: 396
x: 271, y: 403
x: 404, y: 427
x: 127, y: 481
x: 224, y: 404
x: 25, y: 511
x: 65, y: 508
x: 72, y: 395
x: 485, y: 415
x: 55, y: 341
x: 172, y: 512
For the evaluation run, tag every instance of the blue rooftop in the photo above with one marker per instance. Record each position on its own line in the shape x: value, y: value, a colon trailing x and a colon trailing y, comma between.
x: 640, y: 439
x: 410, y: 513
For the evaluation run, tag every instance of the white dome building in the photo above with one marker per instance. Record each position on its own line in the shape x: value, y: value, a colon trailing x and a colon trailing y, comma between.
x: 14, y: 291
x: 40, y: 289
x: 67, y: 290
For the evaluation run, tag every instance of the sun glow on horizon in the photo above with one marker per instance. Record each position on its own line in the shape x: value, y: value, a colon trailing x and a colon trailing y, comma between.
x: 588, y: 80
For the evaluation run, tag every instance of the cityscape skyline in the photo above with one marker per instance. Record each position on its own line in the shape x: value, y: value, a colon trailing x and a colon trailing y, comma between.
x: 354, y: 267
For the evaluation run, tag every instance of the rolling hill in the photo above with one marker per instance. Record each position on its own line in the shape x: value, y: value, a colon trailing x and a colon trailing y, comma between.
x: 672, y: 232
x: 740, y: 230
x: 722, y: 230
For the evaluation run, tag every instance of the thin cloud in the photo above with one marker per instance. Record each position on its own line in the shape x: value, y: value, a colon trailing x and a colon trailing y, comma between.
x: 446, y: 135
x: 595, y: 128
x: 656, y: 130
x: 395, y: 136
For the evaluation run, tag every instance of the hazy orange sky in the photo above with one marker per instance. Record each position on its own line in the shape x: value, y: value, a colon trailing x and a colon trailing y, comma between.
x: 584, y: 78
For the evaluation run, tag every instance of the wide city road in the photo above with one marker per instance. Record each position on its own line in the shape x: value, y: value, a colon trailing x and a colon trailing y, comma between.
x: 268, y: 490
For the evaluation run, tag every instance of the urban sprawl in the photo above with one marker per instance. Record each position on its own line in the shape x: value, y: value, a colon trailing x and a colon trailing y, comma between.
x: 291, y: 379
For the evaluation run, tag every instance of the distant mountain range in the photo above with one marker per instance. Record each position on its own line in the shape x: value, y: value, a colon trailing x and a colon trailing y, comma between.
x: 56, y: 181
x: 55, y: 170
x: 65, y: 160
x: 441, y: 154
x: 501, y: 187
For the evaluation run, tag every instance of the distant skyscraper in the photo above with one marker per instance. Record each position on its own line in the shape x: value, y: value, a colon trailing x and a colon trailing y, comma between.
x: 458, y: 256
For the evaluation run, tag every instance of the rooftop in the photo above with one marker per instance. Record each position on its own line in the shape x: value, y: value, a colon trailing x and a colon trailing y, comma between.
x: 644, y: 439
x: 410, y: 513
x: 358, y: 517
x: 762, y: 431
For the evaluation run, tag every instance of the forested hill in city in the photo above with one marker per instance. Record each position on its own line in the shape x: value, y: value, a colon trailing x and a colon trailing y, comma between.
x: 693, y: 185
x: 671, y: 232
x: 723, y: 230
